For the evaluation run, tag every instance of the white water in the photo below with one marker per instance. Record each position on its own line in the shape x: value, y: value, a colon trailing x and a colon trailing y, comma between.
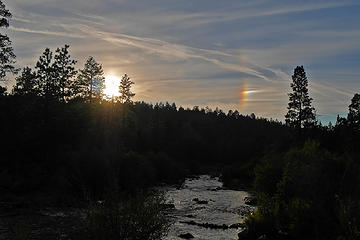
x: 223, y: 207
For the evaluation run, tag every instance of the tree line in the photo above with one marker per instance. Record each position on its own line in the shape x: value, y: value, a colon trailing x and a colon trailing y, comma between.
x: 55, y: 78
x: 65, y: 143
x: 311, y: 189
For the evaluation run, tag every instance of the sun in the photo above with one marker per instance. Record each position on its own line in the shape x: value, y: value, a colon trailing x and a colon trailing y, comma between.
x: 112, y: 86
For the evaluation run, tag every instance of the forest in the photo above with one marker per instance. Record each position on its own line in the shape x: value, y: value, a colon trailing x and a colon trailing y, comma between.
x: 64, y: 143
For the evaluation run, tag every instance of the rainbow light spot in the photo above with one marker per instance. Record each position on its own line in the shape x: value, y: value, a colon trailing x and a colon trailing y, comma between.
x: 242, y: 95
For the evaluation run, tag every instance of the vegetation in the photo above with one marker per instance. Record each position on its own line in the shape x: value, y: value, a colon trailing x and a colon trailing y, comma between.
x: 91, y: 81
x: 140, y: 217
x: 7, y: 56
x: 124, y: 89
x: 65, y: 144
x: 300, y: 112
x: 354, y: 112
x: 310, y: 190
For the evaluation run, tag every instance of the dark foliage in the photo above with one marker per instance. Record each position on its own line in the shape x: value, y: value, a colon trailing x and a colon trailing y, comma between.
x: 307, y: 193
x: 124, y: 89
x: 300, y: 112
x: 136, y: 217
x: 63, y: 143
x: 7, y: 56
x: 310, y: 191
x: 83, y: 146
x: 91, y: 81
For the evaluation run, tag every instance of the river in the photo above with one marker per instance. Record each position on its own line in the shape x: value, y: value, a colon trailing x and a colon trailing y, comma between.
x: 205, y: 210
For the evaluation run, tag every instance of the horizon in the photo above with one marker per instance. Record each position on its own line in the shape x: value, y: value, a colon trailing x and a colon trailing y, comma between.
x: 238, y: 56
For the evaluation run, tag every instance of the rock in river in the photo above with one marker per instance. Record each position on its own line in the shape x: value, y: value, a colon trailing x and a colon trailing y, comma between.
x: 252, y: 201
x: 200, y: 201
x: 186, y: 236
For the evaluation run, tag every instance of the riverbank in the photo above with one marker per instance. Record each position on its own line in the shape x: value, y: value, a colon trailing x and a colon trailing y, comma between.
x: 22, y: 223
x: 199, y: 205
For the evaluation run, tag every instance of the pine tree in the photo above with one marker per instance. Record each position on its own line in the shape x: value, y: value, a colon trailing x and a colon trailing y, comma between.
x: 47, y: 77
x: 26, y: 83
x: 354, y: 112
x: 55, y: 74
x: 65, y: 71
x: 7, y: 56
x: 124, y: 89
x: 90, y: 82
x: 300, y: 112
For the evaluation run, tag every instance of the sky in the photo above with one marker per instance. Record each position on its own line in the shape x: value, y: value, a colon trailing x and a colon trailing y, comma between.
x: 231, y: 54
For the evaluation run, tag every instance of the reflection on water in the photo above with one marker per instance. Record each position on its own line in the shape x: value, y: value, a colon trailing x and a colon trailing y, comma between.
x: 202, y: 200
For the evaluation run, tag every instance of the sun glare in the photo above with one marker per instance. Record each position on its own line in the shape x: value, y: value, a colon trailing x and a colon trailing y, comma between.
x: 111, y: 86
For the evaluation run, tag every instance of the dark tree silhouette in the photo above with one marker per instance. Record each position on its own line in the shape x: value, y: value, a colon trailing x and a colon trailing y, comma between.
x: 124, y: 89
x: 354, y: 112
x: 65, y: 72
x: 3, y: 91
x: 91, y: 81
x: 7, y: 56
x: 300, y: 112
x: 47, y: 78
x: 53, y: 78
x: 26, y: 83
x: 75, y: 152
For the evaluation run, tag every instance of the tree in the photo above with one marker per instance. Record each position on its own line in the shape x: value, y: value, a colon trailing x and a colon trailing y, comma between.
x: 91, y: 81
x: 55, y: 74
x: 3, y: 91
x: 300, y: 112
x: 7, y: 56
x: 26, y: 83
x: 124, y: 89
x: 47, y: 79
x: 354, y: 112
x: 65, y: 71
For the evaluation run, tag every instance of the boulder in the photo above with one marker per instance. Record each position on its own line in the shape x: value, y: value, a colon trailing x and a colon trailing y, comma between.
x: 168, y: 205
x: 250, y: 201
x: 236, y: 225
x: 186, y: 236
x: 200, y: 201
x: 206, y: 225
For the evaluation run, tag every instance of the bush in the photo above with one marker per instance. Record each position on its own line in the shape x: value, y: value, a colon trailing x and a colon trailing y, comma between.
x: 297, y: 195
x: 238, y: 175
x: 136, y: 217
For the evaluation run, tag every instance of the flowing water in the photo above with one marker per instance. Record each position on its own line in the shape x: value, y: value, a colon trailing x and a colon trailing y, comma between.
x: 206, y: 210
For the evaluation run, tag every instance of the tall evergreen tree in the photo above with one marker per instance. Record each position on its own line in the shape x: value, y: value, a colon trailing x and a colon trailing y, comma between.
x: 90, y: 82
x: 26, y: 83
x: 3, y: 91
x: 300, y: 112
x: 65, y: 71
x: 124, y: 89
x: 7, y: 56
x: 47, y: 78
x: 354, y: 112
x: 54, y: 73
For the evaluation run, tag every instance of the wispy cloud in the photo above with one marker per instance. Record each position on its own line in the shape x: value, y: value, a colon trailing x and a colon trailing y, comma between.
x: 200, y: 53
x: 170, y: 50
x: 44, y: 32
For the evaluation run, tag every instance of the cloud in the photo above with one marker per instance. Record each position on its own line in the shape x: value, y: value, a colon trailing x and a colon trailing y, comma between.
x: 44, y: 32
x: 200, y: 53
x: 168, y: 50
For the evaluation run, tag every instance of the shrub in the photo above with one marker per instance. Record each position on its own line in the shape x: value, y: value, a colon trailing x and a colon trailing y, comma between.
x: 136, y: 217
x: 297, y: 195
